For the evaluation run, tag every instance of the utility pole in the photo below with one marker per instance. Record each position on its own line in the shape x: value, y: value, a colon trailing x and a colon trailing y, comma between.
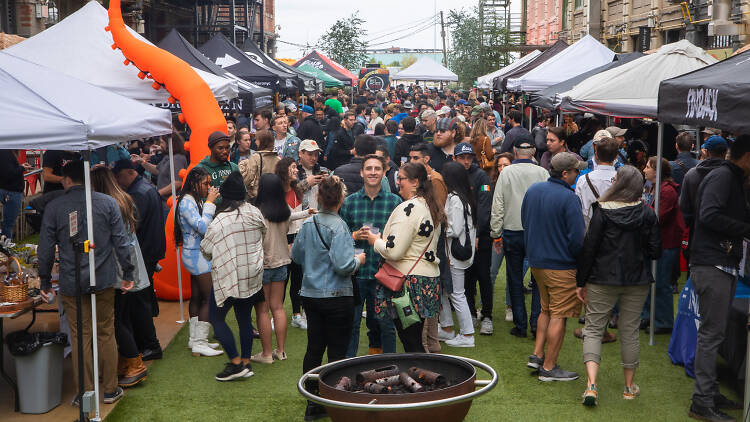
x: 442, y: 35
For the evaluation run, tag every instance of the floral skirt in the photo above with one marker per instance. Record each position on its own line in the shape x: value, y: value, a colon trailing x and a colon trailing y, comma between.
x: 424, y: 293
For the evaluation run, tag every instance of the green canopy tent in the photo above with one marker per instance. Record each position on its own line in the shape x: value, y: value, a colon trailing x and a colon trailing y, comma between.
x: 329, y: 80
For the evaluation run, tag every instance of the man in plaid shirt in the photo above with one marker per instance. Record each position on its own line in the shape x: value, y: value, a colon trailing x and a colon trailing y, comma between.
x: 370, y: 206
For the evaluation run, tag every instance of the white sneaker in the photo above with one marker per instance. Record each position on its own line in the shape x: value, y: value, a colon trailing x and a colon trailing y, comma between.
x: 299, y: 321
x: 508, y: 315
x: 487, y: 328
x: 444, y: 335
x: 461, y: 341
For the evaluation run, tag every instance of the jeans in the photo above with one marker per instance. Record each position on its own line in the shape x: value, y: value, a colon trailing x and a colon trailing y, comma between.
x: 515, y: 252
x: 126, y: 344
x: 457, y: 298
x: 142, y: 313
x: 715, y: 290
x: 497, y: 261
x: 11, y: 202
x: 329, y: 325
x: 380, y: 332
x: 295, y: 283
x: 222, y: 332
x: 664, y: 309
x: 480, y: 272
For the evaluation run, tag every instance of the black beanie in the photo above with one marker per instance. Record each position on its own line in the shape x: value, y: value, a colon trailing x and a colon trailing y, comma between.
x: 217, y: 136
x: 233, y: 187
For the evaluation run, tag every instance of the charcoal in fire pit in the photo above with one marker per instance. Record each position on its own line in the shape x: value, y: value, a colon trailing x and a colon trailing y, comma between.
x: 409, y: 382
x: 373, y: 388
x: 427, y: 377
x: 375, y: 374
x: 344, y: 384
x: 389, y: 381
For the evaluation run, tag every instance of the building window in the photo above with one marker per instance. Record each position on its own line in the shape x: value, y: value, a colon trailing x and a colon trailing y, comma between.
x: 565, y: 14
x: 578, y: 4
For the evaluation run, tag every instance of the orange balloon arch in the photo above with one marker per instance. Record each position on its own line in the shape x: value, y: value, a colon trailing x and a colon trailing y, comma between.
x: 199, y: 110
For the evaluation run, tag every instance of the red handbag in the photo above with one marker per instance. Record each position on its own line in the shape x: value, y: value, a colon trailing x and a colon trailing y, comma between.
x: 390, y: 277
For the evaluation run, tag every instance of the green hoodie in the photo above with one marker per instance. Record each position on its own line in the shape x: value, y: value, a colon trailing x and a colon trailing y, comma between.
x: 218, y: 171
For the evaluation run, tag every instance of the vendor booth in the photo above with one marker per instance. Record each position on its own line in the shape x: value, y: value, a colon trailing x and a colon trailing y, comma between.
x: 320, y: 61
x: 426, y: 69
x: 499, y: 83
x: 328, y: 80
x: 226, y: 55
x: 51, y: 110
x: 251, y: 97
x: 586, y: 54
x: 485, y: 81
x: 255, y: 53
x: 79, y: 47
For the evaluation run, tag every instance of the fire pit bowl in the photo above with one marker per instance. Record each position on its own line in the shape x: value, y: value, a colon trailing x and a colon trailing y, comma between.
x: 448, y: 404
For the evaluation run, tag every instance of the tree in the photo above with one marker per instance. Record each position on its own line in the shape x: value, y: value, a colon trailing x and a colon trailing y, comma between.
x: 344, y: 42
x: 467, y: 57
x: 395, y: 63
x: 408, y: 60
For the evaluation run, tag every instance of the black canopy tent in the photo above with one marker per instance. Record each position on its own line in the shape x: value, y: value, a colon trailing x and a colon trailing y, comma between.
x: 255, y: 53
x: 713, y: 96
x: 250, y: 97
x: 501, y: 83
x: 226, y: 55
x: 546, y: 97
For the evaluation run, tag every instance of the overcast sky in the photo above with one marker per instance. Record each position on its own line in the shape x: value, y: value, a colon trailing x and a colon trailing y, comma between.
x: 304, y: 21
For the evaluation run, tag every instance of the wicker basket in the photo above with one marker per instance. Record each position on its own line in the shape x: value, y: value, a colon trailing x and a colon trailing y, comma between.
x: 18, y: 289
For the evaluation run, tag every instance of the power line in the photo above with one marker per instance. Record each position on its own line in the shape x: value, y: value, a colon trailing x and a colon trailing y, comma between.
x: 423, y: 28
x: 421, y: 22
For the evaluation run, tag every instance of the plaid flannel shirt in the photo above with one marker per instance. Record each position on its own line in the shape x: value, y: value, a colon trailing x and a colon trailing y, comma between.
x: 358, y: 209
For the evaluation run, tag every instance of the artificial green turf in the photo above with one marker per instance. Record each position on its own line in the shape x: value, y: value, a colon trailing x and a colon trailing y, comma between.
x: 181, y: 387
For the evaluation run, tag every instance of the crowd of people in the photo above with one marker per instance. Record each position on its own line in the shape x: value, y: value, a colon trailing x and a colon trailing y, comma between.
x: 406, y: 198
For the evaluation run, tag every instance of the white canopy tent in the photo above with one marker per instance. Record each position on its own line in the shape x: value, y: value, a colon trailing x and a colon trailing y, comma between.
x: 632, y: 90
x: 586, y: 54
x: 80, y: 47
x: 42, y: 107
x: 426, y: 69
x: 485, y: 81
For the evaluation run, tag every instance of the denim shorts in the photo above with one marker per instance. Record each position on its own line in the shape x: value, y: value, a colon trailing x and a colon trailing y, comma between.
x: 274, y: 274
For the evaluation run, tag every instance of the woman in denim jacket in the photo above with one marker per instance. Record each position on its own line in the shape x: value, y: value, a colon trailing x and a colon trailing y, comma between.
x: 325, y: 250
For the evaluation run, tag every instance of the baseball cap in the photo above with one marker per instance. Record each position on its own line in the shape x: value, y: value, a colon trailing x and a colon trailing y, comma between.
x: 309, y: 145
x: 446, y: 124
x: 601, y: 134
x: 524, y: 141
x: 407, y: 104
x: 476, y: 110
x: 461, y: 101
x: 712, y: 142
x: 567, y: 161
x: 123, y: 164
x: 463, y: 148
x: 308, y: 109
x: 444, y: 111
x: 711, y: 131
x: 616, y: 131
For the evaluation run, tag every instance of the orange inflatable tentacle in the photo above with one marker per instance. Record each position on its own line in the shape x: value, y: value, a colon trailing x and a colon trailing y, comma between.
x: 199, y: 110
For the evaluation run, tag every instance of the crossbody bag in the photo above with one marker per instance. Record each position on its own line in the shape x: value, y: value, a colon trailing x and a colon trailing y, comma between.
x: 393, y: 279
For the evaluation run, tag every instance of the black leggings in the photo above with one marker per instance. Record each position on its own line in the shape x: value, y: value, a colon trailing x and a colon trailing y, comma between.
x: 410, y: 337
x: 126, y: 344
x: 329, y: 327
x: 295, y: 282
x: 200, y: 294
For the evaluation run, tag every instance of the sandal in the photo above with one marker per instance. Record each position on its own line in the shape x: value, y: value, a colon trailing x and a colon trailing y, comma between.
x: 260, y: 359
x: 278, y: 355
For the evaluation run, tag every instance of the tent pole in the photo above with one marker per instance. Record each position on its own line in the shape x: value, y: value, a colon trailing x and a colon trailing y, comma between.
x: 92, y: 276
x: 657, y: 194
x: 174, y: 212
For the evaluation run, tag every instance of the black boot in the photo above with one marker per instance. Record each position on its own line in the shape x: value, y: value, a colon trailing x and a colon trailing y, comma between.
x: 314, y: 411
x: 711, y: 414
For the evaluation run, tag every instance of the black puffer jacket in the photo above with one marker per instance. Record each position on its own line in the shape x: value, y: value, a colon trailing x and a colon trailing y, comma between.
x: 619, y: 246
x: 404, y: 144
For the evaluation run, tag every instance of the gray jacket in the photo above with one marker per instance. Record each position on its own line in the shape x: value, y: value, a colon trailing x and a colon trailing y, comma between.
x: 110, y: 239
